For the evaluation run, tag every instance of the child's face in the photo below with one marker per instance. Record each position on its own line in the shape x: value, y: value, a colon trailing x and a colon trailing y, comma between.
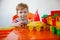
x: 23, y: 13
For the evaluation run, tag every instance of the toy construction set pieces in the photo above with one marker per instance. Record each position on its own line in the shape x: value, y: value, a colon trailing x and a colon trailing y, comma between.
x: 37, y: 25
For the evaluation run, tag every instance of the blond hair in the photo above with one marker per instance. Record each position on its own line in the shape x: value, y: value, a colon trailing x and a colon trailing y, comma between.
x: 21, y: 6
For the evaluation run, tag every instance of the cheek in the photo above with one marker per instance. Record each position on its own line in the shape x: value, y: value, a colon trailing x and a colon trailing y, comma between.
x: 25, y: 14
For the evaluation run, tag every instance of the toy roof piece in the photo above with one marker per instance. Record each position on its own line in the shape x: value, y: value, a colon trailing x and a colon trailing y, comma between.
x: 36, y: 16
x: 44, y: 16
x: 55, y: 15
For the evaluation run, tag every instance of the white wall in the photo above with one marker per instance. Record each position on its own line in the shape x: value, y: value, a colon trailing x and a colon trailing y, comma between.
x: 7, y: 8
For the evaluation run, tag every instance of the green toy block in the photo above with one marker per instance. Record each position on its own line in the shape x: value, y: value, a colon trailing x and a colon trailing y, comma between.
x: 44, y: 16
x: 54, y: 30
x: 55, y: 15
x: 58, y: 32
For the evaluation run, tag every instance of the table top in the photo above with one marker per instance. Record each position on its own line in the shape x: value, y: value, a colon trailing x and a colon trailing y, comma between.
x: 26, y: 34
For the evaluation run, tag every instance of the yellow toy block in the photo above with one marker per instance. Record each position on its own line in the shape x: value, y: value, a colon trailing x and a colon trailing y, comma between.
x: 58, y: 24
x: 38, y: 28
x: 37, y: 25
x: 49, y: 21
x: 30, y: 28
x: 51, y: 28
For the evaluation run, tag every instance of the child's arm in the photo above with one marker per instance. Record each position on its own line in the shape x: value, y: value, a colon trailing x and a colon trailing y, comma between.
x: 16, y: 22
x: 20, y: 23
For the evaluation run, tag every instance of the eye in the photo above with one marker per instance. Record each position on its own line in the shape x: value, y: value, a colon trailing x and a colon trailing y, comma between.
x: 25, y: 12
x: 20, y: 12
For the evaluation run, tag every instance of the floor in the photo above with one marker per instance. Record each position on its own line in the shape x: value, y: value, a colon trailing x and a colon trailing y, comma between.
x: 25, y: 34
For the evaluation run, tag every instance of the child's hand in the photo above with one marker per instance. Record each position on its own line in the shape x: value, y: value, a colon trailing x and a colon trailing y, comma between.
x: 19, y: 23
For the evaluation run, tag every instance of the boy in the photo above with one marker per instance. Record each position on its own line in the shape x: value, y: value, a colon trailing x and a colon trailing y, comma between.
x: 22, y: 11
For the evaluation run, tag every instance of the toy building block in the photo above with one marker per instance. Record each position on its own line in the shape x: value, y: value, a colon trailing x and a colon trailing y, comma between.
x: 54, y: 19
x: 36, y: 16
x: 51, y: 28
x: 54, y: 30
x: 37, y: 25
x: 58, y: 32
x: 49, y: 21
x: 45, y: 21
x: 58, y: 21
x: 55, y: 12
x: 44, y: 18
x: 58, y: 25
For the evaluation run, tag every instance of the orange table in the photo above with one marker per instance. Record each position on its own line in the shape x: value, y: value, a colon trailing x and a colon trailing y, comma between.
x: 25, y: 34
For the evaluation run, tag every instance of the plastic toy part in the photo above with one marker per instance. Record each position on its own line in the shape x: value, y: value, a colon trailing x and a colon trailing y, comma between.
x: 49, y: 20
x: 30, y: 28
x: 55, y: 15
x: 36, y: 16
x: 44, y: 16
x: 44, y: 20
x: 58, y: 25
x: 54, y: 21
x: 37, y: 25
x: 53, y: 30
x: 38, y: 28
x: 58, y: 32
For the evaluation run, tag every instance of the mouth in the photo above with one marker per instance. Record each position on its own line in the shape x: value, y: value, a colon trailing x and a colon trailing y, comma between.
x: 23, y: 18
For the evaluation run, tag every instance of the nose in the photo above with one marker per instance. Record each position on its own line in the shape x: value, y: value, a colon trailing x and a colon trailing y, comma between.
x: 23, y: 15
